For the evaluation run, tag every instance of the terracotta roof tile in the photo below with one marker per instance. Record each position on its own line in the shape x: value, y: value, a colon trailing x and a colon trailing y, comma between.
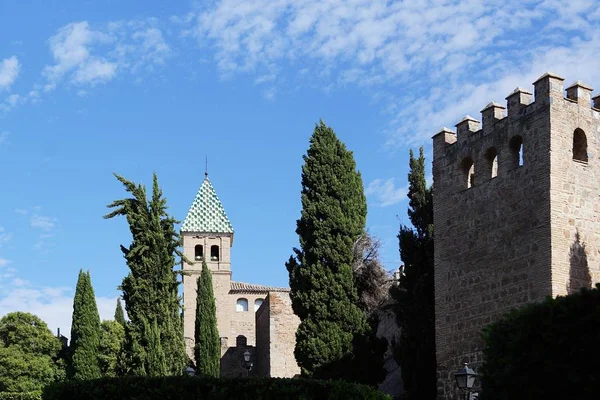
x: 242, y: 287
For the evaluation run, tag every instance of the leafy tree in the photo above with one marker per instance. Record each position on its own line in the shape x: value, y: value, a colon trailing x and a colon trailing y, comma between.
x: 150, y: 290
x: 333, y: 216
x: 85, y: 332
x: 27, y: 352
x: 119, y: 314
x: 414, y: 294
x: 155, y: 365
x: 112, y: 335
x: 207, y: 349
x: 370, y: 278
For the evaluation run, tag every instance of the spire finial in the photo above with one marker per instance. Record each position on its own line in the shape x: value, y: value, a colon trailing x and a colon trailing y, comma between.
x: 206, y: 167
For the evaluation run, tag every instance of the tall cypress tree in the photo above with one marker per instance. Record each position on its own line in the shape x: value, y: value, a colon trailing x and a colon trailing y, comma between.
x: 85, y: 332
x: 414, y: 295
x: 207, y: 349
x: 119, y: 314
x: 333, y: 216
x: 150, y: 290
x: 155, y: 359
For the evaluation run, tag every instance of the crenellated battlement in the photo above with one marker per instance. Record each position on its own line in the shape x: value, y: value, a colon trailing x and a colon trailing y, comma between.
x: 515, y: 204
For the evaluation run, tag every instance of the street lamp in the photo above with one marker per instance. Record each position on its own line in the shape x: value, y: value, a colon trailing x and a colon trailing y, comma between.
x: 465, y: 379
x: 247, y: 362
x: 190, y: 371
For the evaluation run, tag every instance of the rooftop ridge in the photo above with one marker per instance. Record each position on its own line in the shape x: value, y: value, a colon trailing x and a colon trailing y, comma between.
x: 206, y: 214
x: 243, y: 287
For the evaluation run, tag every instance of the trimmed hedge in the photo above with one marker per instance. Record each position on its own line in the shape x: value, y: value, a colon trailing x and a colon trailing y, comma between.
x: 21, y: 396
x: 196, y: 388
x: 548, y: 350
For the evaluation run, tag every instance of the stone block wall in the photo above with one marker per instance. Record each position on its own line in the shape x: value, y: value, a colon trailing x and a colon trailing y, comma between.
x: 276, y: 326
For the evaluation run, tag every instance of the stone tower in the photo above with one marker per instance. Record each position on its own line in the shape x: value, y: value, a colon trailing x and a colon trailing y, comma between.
x: 516, y: 210
x: 207, y: 234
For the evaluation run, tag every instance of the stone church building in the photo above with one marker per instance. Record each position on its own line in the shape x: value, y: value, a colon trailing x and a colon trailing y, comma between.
x: 254, y: 318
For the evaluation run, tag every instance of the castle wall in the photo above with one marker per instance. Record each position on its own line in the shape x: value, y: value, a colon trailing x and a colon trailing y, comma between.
x: 493, y: 239
x: 276, y: 326
x: 243, y: 322
x: 575, y: 191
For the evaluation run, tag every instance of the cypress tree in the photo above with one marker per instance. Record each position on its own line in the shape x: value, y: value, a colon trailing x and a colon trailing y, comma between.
x: 333, y: 216
x: 150, y: 290
x: 207, y: 348
x: 119, y: 314
x: 155, y: 364
x: 85, y: 332
x: 414, y: 293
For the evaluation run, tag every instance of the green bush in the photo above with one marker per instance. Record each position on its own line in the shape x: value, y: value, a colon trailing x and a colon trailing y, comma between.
x: 191, y: 388
x: 21, y: 396
x: 545, y: 350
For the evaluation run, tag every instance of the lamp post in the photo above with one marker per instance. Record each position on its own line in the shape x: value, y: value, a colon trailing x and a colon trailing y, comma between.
x: 190, y: 371
x: 247, y: 362
x: 465, y: 379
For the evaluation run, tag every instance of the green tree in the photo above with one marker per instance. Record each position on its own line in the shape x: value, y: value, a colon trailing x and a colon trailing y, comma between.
x: 155, y: 365
x: 333, y: 216
x: 119, y: 314
x: 112, y: 335
x: 85, y: 332
x: 207, y: 350
x: 28, y: 350
x: 414, y: 294
x: 150, y: 290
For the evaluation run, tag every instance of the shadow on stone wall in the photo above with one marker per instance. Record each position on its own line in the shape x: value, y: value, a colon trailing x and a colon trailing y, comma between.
x: 579, y: 271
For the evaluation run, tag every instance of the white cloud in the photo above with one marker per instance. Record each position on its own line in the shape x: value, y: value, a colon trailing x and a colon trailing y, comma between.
x: 385, y: 192
x: 4, y: 236
x: 4, y: 262
x: 53, y: 305
x: 9, y: 71
x: 41, y: 222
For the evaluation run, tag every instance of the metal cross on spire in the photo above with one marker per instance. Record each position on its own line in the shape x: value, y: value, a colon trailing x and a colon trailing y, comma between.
x: 206, y: 166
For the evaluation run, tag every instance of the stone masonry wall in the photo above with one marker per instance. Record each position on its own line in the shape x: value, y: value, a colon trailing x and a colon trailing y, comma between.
x: 276, y: 326
x: 243, y: 322
x: 529, y: 232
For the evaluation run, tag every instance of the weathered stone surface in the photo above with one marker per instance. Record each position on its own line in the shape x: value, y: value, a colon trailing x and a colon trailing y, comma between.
x: 529, y: 232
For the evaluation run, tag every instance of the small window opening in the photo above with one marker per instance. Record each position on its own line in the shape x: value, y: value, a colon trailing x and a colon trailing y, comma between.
x: 580, y: 146
x: 468, y: 170
x: 214, y: 253
x: 516, y: 149
x: 241, y: 305
x: 198, y: 252
x: 241, y: 341
x: 257, y: 304
x: 492, y: 158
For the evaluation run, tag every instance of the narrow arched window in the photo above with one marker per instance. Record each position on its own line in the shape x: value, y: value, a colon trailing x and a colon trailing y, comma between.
x: 580, y: 146
x: 492, y: 159
x: 257, y: 304
x: 468, y: 172
x: 214, y: 253
x: 516, y: 151
x: 198, y: 252
x: 241, y: 305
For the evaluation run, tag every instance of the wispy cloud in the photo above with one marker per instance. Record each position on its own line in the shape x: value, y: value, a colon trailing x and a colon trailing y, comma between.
x: 385, y: 192
x: 4, y: 262
x: 4, y: 236
x: 9, y: 71
x: 42, y: 222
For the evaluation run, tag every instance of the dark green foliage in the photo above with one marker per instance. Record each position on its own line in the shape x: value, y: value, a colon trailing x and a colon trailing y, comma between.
x: 414, y: 295
x: 547, y: 350
x: 333, y: 217
x: 85, y: 332
x: 207, y: 350
x: 155, y: 356
x: 120, y: 314
x: 112, y: 335
x: 37, y: 395
x: 196, y: 388
x: 27, y: 353
x: 150, y: 290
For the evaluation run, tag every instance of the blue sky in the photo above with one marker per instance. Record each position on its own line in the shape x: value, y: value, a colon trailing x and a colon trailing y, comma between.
x: 88, y: 88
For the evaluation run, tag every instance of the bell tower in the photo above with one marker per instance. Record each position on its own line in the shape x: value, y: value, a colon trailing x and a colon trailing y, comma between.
x: 207, y: 235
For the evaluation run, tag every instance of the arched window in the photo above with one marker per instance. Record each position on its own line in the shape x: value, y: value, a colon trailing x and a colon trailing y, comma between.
x: 468, y: 171
x: 241, y: 305
x: 241, y: 341
x: 257, y: 304
x: 214, y: 253
x: 516, y: 150
x: 580, y: 146
x: 492, y: 159
x: 198, y: 252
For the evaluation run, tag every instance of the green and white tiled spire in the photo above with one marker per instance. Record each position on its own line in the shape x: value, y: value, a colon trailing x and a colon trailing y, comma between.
x: 207, y: 213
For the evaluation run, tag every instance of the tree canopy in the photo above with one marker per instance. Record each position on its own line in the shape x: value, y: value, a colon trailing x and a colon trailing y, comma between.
x: 207, y: 349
